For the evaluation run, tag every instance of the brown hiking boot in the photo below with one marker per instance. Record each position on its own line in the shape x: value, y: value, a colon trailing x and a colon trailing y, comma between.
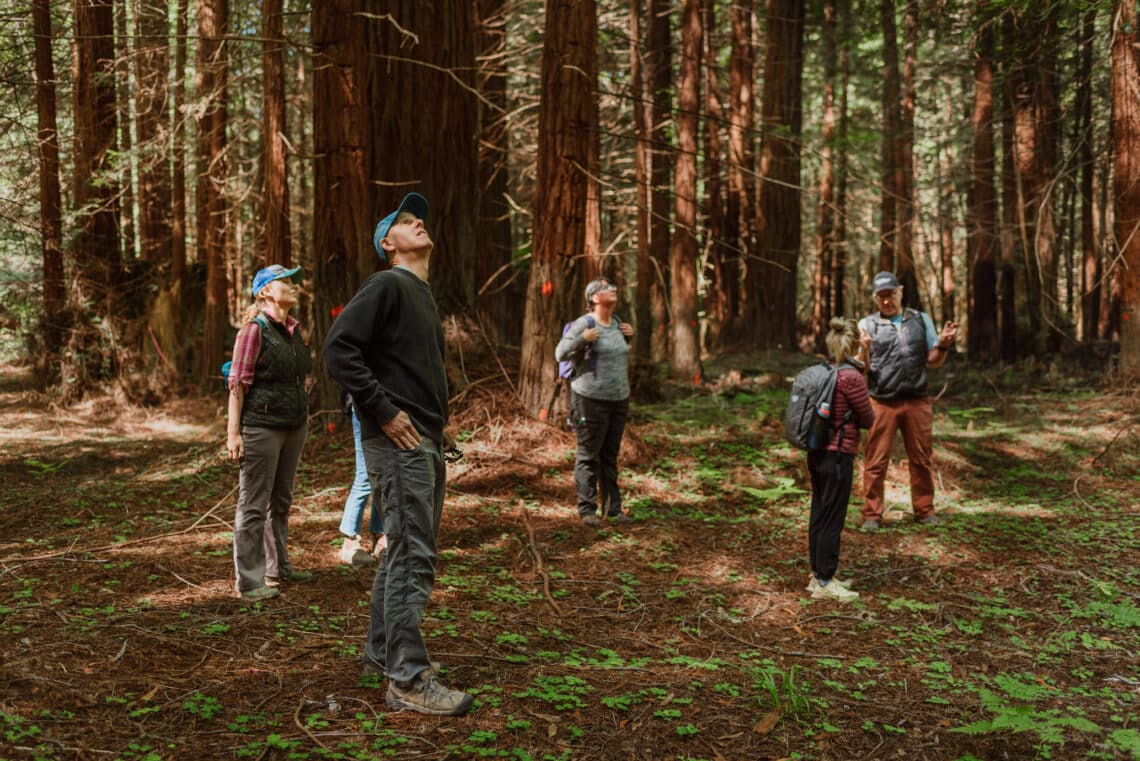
x: 428, y: 695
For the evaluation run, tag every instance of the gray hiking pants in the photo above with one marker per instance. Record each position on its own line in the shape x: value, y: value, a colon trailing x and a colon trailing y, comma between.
x: 265, y: 493
x: 411, y: 485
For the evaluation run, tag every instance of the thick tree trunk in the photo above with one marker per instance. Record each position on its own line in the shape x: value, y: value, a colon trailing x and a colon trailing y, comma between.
x: 659, y: 63
x: 642, y: 121
x: 178, y: 229
x: 344, y: 213
x: 839, y: 256
x: 1090, y: 262
x: 213, y: 18
x: 498, y: 292
x: 1048, y: 126
x: 739, y: 212
x: 124, y: 140
x: 429, y: 144
x: 719, y: 303
x: 567, y: 123
x: 1126, y: 180
x: 778, y: 223
x: 904, y: 163
x: 1011, y: 242
x: 888, y: 213
x: 54, y: 322
x: 686, y: 360
x: 825, y: 210
x: 152, y: 67
x: 981, y: 204
x: 278, y: 245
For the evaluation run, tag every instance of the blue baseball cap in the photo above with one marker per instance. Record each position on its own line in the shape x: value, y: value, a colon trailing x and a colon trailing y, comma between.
x: 413, y: 202
x: 274, y: 272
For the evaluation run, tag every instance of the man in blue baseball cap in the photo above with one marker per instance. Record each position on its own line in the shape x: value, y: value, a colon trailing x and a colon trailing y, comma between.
x: 903, y: 345
x: 385, y: 349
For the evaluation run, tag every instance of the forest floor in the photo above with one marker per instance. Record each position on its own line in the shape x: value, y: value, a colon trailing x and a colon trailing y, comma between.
x: 1010, y: 631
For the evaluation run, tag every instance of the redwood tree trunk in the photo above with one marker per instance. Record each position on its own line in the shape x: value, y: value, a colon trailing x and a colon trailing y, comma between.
x: 888, y: 214
x: 566, y: 123
x: 178, y: 230
x: 778, y: 224
x: 904, y: 164
x: 278, y: 247
x: 499, y: 302
x: 839, y: 258
x: 213, y: 18
x: 659, y: 59
x: 1090, y: 263
x: 741, y: 161
x: 981, y: 204
x: 642, y: 120
x: 825, y: 210
x: 344, y: 210
x: 152, y: 67
x: 720, y: 304
x: 428, y: 144
x: 1126, y: 180
x: 51, y: 204
x: 686, y: 359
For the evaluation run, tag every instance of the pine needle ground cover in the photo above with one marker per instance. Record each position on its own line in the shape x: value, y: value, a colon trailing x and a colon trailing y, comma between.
x: 1009, y: 631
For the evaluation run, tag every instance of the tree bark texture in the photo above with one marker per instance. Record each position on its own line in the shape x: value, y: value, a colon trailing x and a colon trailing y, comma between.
x: 773, y: 277
x: 567, y: 123
x: 1090, y: 267
x: 720, y: 304
x: 1126, y: 179
x: 825, y: 208
x: 96, y: 244
x: 642, y: 121
x: 152, y: 67
x: 888, y: 214
x: 686, y: 360
x: 213, y: 19
x: 278, y: 244
x: 839, y: 256
x: 345, y: 210
x: 500, y: 303
x: 124, y: 96
x: 178, y: 229
x: 739, y: 211
x: 53, y: 320
x: 904, y: 164
x: 1011, y: 243
x: 981, y: 203
x: 429, y: 144
x: 659, y: 65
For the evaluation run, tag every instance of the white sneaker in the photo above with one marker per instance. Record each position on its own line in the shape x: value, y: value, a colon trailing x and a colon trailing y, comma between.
x: 834, y: 591
x: 813, y: 583
x: 353, y: 554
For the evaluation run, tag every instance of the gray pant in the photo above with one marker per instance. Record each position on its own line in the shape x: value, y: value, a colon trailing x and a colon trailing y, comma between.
x: 265, y: 488
x: 411, y: 484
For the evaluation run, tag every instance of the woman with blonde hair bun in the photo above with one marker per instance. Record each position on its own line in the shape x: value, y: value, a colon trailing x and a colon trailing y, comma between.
x: 832, y: 467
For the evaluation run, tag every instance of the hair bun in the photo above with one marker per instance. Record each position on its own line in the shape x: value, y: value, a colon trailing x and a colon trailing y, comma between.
x: 838, y: 323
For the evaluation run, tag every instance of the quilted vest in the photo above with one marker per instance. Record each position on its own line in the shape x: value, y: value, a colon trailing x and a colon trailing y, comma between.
x: 898, y: 357
x: 277, y: 398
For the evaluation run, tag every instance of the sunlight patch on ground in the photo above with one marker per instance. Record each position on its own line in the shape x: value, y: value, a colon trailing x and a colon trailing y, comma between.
x: 1031, y: 509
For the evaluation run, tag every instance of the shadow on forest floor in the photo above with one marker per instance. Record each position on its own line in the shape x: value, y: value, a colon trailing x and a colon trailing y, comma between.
x: 1009, y: 631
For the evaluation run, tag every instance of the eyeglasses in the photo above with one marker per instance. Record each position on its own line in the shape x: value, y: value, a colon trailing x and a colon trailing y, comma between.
x: 606, y: 287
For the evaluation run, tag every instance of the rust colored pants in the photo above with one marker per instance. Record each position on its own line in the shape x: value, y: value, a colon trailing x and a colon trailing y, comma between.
x: 915, y: 418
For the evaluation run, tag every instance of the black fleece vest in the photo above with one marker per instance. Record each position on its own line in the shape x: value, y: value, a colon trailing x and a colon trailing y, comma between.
x: 898, y: 357
x: 277, y: 398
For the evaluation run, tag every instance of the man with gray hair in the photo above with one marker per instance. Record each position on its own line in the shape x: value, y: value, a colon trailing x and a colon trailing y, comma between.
x: 386, y: 351
x: 903, y: 346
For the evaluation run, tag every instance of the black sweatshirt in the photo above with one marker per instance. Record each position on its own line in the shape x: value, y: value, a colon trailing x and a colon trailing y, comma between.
x: 386, y: 351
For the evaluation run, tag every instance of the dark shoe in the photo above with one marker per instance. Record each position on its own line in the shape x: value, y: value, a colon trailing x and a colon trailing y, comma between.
x: 375, y: 668
x: 620, y: 518
x: 870, y: 526
x: 296, y: 577
x: 592, y: 521
x: 929, y: 520
x: 261, y: 593
x: 428, y: 695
